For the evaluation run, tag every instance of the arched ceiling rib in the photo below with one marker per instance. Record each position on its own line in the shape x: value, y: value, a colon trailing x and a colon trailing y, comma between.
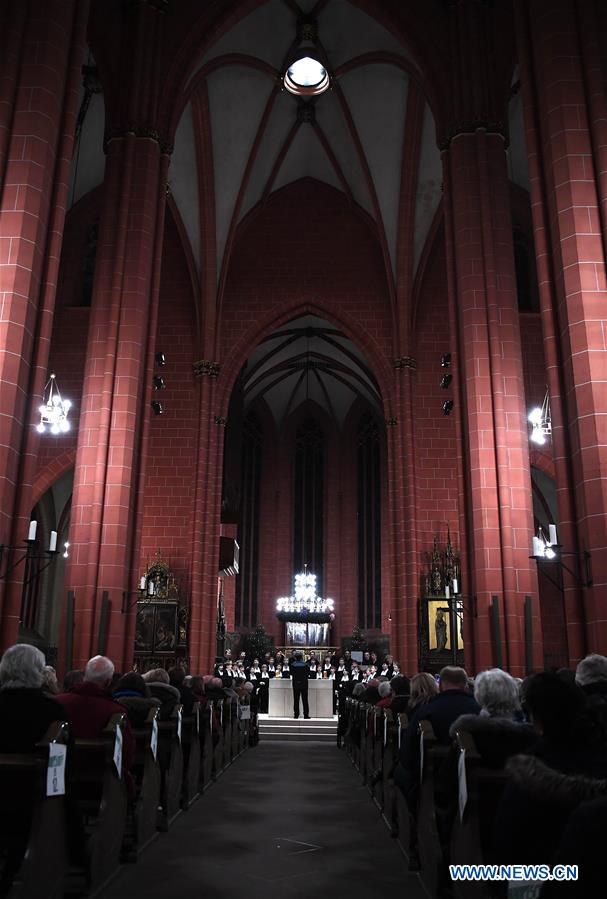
x: 355, y: 139
x: 309, y: 360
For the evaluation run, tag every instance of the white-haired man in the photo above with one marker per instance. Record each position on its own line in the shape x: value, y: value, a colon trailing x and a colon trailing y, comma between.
x: 591, y: 676
x: 89, y: 706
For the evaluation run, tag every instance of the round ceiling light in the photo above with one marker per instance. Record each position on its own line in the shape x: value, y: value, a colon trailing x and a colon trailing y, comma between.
x: 306, y: 77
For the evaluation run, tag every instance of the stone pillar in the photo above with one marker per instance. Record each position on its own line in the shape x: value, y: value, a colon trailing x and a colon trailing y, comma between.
x: 564, y: 104
x: 109, y: 476
x: 207, y: 521
x: 41, y: 52
x: 486, y: 348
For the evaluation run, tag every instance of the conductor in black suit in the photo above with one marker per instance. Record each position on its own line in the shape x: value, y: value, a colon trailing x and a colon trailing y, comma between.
x: 300, y: 672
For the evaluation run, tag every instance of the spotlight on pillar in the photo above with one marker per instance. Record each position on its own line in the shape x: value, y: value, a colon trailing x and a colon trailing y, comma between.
x: 161, y: 359
x: 447, y: 407
x: 445, y: 360
x: 156, y: 407
x: 159, y: 383
x: 541, y: 421
x: 445, y: 381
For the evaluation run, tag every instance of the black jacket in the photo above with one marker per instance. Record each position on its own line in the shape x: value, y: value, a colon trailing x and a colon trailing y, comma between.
x: 26, y: 715
x: 300, y: 672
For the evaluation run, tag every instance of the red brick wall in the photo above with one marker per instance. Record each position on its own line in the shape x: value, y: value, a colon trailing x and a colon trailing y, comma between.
x: 167, y: 523
x: 434, y: 437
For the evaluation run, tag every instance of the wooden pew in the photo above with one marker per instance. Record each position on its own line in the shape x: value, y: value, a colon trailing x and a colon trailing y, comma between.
x: 406, y: 819
x: 430, y: 852
x: 170, y: 759
x: 390, y: 756
x: 480, y: 788
x: 236, y: 732
x: 99, y: 792
x: 206, y: 747
x: 190, y: 742
x: 227, y: 732
x: 377, y: 756
x: 23, y: 786
x: 363, y: 720
x: 141, y: 827
x: 218, y: 734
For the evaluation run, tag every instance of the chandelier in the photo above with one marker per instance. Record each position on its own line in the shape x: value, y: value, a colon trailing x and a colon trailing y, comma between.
x: 304, y: 597
x: 54, y: 410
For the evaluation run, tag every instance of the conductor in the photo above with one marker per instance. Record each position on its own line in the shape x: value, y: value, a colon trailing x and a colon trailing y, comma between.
x: 300, y: 672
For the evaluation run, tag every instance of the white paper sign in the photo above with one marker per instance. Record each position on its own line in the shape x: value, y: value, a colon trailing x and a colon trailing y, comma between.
x: 197, y: 720
x: 118, y: 750
x: 154, y: 739
x: 385, y: 731
x: 55, y: 772
x: 421, y: 757
x: 245, y: 712
x: 179, y: 717
x: 463, y: 786
x: 400, y: 727
x: 221, y: 714
x: 211, y: 717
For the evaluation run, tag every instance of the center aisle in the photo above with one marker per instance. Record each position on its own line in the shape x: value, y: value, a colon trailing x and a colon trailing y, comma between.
x: 284, y: 819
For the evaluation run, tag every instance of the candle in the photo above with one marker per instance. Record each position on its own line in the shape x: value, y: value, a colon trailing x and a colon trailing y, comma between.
x: 552, y: 534
x: 455, y: 585
x: 142, y: 583
x: 32, y: 531
x: 447, y: 591
x: 52, y: 546
x: 151, y: 588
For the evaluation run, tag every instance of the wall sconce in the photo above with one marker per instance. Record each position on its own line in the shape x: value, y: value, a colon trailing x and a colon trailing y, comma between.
x: 551, y: 552
x: 156, y: 407
x: 541, y: 421
x: 447, y: 407
x: 54, y: 409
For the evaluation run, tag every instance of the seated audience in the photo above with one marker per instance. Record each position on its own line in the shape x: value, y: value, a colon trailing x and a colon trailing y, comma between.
x: 158, y: 682
x: 133, y: 693
x: 76, y: 676
x: 89, y: 706
x: 177, y: 677
x: 565, y: 767
x: 49, y: 681
x: 498, y: 731
x: 591, y: 677
x: 25, y: 710
x: 423, y: 689
x: 400, y: 694
x: 385, y: 695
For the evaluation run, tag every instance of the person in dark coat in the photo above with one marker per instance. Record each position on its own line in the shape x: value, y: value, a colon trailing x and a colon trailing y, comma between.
x: 401, y: 688
x: 300, y: 674
x: 177, y: 679
x: 582, y: 844
x: 90, y: 706
x: 133, y: 693
x: 566, y: 766
x: 452, y: 701
x: 591, y: 677
x: 158, y: 683
x: 26, y: 714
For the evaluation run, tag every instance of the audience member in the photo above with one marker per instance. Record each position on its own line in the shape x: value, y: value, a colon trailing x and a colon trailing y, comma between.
x: 423, y: 689
x: 385, y: 695
x: 76, y: 676
x: 177, y: 678
x: 133, y: 693
x: 49, y: 681
x: 568, y: 765
x: 157, y: 680
x: 25, y: 710
x: 90, y: 706
x: 591, y: 677
x: 401, y: 687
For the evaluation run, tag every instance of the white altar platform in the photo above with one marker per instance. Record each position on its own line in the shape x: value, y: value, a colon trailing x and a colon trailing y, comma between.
x: 320, y: 698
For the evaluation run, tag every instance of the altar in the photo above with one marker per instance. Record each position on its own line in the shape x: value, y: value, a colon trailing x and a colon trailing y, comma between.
x: 320, y: 698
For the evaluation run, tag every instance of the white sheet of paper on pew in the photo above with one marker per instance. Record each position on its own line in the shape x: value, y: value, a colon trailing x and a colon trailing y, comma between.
x: 385, y: 731
x: 244, y: 712
x: 179, y: 717
x: 118, y: 750
x: 421, y: 756
x: 55, y: 772
x: 154, y: 739
x: 462, y: 784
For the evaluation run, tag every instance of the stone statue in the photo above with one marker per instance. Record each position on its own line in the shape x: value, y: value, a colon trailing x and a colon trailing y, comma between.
x: 440, y: 626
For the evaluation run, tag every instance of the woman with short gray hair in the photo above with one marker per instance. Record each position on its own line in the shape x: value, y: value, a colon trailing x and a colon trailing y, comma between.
x: 26, y: 712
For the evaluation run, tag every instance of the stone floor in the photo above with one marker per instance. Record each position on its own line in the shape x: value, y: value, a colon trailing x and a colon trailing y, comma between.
x: 286, y: 820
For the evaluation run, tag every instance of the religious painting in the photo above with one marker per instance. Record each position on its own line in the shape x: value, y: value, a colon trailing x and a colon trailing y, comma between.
x: 297, y: 633
x: 144, y: 627
x: 318, y: 635
x: 439, y: 625
x: 165, y: 637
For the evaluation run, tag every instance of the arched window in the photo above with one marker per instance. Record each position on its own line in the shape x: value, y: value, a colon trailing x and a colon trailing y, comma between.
x: 248, y: 526
x: 369, y: 523
x: 308, y: 508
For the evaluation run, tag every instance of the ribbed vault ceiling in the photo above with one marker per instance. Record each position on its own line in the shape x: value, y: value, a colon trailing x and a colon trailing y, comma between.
x: 309, y: 360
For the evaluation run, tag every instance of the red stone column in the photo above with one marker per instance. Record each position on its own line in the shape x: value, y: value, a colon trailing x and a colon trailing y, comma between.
x: 564, y: 102
x: 41, y: 51
x: 498, y: 485
x: 207, y: 525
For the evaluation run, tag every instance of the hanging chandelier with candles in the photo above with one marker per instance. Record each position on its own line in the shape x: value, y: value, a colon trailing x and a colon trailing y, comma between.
x: 54, y: 409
